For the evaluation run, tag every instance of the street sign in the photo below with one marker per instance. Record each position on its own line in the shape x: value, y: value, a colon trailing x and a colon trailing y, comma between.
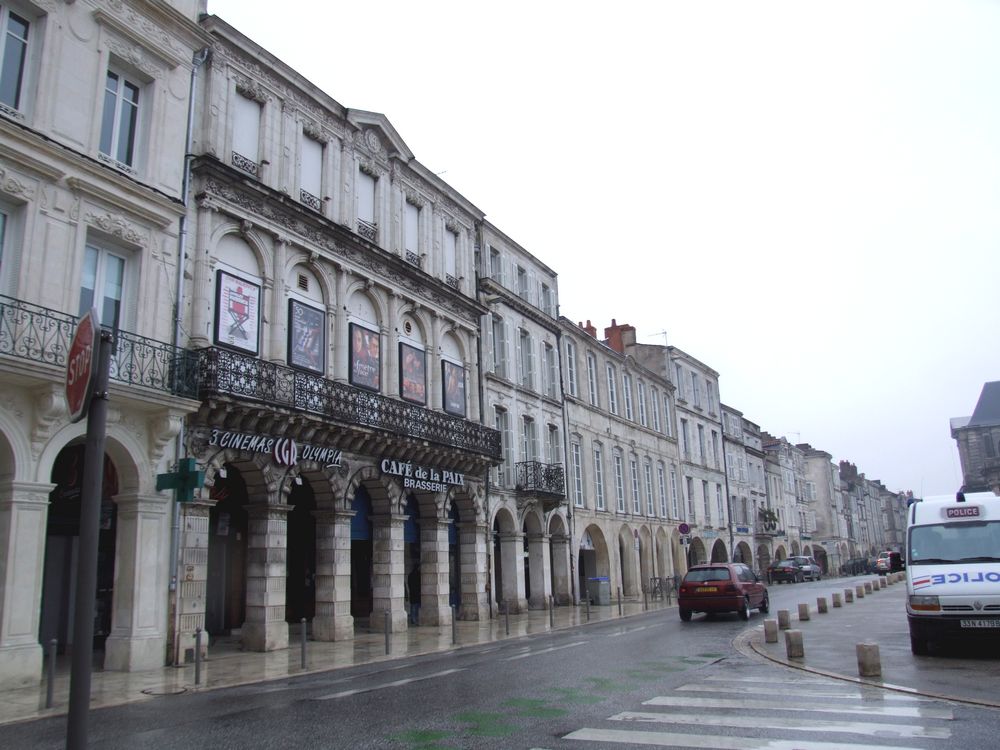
x: 81, y: 366
x: 684, y: 529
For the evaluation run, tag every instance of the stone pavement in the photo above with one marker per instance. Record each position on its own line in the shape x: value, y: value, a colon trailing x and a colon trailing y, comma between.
x: 228, y: 665
x: 970, y: 673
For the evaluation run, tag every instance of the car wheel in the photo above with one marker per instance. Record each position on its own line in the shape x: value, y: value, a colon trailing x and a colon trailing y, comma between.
x: 765, y: 604
x: 685, y: 615
x: 800, y: 578
x: 918, y: 645
x: 745, y: 609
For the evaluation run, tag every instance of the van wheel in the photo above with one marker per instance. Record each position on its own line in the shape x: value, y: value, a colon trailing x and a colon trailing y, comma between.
x: 918, y: 645
x: 685, y: 615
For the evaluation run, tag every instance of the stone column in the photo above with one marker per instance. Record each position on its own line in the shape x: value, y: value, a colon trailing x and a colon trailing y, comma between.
x: 138, y: 635
x: 472, y: 564
x: 388, y: 572
x: 192, y: 577
x: 24, y: 509
x: 341, y: 344
x: 561, y: 583
x: 202, y: 290
x: 390, y: 357
x: 278, y: 345
x: 540, y: 570
x: 265, y: 628
x: 333, y: 620
x: 435, y: 608
x: 512, y: 571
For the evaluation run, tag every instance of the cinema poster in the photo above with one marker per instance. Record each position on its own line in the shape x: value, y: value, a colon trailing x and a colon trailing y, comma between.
x: 412, y: 374
x: 453, y: 382
x: 366, y: 361
x: 237, y: 313
x: 306, y: 337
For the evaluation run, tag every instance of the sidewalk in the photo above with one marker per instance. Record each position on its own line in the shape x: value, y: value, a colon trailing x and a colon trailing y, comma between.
x: 228, y: 665
x: 830, y: 642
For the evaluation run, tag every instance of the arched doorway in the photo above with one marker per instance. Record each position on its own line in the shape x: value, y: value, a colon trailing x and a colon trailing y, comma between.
x: 780, y: 554
x: 763, y: 558
x: 508, y: 562
x: 362, y: 557
x: 696, y: 552
x: 820, y: 554
x: 559, y: 561
x: 593, y: 559
x: 628, y: 543
x: 664, y: 568
x: 225, y: 600
x: 743, y: 554
x: 62, y: 541
x: 719, y: 553
x: 411, y: 560
x: 300, y: 572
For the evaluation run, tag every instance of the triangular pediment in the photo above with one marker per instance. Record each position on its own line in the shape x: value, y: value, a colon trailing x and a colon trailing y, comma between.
x: 376, y: 135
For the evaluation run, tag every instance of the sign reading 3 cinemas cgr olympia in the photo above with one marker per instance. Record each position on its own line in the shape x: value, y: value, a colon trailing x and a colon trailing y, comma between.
x: 285, y: 451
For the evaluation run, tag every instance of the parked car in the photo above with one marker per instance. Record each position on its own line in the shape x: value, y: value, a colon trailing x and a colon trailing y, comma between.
x: 889, y: 562
x: 721, y: 587
x: 786, y: 570
x: 769, y: 572
x: 809, y: 567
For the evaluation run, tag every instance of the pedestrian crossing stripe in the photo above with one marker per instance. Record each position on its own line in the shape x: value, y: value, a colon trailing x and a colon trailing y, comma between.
x: 815, y: 691
x: 787, y: 704
x: 704, y: 741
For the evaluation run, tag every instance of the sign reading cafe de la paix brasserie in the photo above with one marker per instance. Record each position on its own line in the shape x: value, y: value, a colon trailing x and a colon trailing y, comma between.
x: 422, y: 477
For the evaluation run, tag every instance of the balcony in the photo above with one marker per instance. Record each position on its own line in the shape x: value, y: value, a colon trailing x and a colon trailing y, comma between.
x: 246, y: 164
x: 222, y: 372
x: 42, y: 336
x: 368, y: 230
x: 544, y: 480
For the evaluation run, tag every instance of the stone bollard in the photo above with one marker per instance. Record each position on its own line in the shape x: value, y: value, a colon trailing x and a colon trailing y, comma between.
x: 770, y: 631
x: 803, y: 611
x: 784, y: 619
x: 869, y: 664
x: 848, y: 596
x: 868, y: 587
x: 882, y: 582
x: 793, y: 644
x: 821, y: 605
x: 837, y: 601
x: 859, y: 591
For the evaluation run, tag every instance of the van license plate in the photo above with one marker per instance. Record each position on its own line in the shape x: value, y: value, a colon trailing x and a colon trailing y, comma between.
x: 980, y: 623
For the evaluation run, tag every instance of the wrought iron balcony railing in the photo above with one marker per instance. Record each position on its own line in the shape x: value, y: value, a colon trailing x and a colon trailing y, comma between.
x: 38, y: 334
x: 368, y: 230
x: 247, y: 378
x: 536, y: 477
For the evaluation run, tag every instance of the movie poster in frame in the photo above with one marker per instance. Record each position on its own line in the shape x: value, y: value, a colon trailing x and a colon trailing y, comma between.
x: 453, y: 383
x: 412, y: 374
x: 237, y: 313
x: 306, y: 337
x: 366, y: 358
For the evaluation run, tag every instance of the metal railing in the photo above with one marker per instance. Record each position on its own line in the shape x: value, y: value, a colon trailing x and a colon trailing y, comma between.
x: 368, y: 230
x: 38, y: 334
x: 534, y: 476
x: 229, y: 373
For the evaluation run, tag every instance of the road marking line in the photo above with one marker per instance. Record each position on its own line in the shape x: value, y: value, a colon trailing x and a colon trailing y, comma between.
x: 917, y: 712
x: 786, y: 722
x: 831, y: 691
x: 396, y: 683
x: 700, y: 741
x: 545, y: 651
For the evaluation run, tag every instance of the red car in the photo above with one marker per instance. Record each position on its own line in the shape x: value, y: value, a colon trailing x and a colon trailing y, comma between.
x: 722, y: 587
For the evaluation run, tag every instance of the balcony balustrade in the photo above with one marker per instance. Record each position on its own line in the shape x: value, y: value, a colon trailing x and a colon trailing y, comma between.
x: 38, y: 334
x: 247, y: 378
x: 536, y: 477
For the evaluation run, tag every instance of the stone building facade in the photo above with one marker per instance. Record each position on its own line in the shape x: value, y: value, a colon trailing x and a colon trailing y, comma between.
x: 978, y: 441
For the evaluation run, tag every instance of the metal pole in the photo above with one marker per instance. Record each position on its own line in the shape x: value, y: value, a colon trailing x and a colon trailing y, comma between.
x: 50, y: 688
x: 303, y: 643
x: 197, y: 656
x: 588, y: 608
x: 86, y: 579
x: 454, y: 624
x: 506, y: 615
x: 645, y: 602
x: 552, y: 611
x: 619, y: 601
x: 387, y: 634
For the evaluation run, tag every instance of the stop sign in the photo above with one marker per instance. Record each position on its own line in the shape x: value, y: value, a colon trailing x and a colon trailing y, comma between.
x: 81, y: 366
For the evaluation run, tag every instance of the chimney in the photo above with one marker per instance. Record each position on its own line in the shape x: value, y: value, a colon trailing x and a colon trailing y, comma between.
x: 619, y: 336
x: 589, y: 328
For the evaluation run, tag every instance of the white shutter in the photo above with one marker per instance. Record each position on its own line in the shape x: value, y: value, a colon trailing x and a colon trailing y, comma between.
x: 246, y: 128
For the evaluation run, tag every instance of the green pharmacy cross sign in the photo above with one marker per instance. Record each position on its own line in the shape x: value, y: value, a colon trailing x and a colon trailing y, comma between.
x: 183, y: 482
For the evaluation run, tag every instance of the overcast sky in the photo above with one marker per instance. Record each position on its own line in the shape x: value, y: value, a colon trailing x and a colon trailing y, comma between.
x: 805, y: 196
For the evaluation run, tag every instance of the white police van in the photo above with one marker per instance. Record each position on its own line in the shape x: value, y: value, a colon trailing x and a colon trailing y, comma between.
x: 953, y: 569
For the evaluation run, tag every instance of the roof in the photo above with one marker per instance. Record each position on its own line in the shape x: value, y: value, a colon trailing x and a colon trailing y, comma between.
x: 988, y: 407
